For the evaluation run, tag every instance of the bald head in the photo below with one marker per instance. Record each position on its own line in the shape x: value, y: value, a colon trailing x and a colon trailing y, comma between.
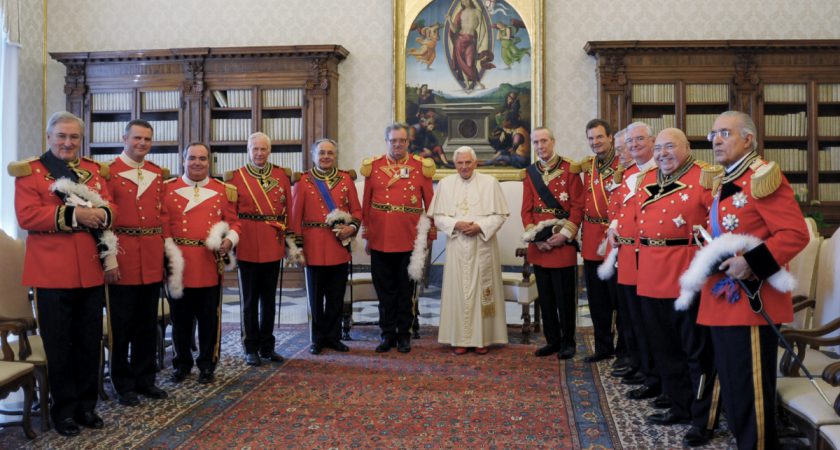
x: 671, y: 150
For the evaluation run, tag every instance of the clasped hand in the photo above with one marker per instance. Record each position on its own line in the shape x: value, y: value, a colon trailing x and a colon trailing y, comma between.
x: 467, y: 228
x: 93, y: 218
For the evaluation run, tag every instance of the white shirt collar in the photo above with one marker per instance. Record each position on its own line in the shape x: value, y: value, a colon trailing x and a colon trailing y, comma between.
x: 731, y: 167
x: 190, y: 182
x: 651, y: 163
x: 130, y: 162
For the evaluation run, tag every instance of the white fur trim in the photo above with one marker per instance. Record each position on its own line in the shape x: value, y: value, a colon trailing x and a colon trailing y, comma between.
x: 233, y: 236
x: 602, y: 248
x: 607, y: 268
x: 531, y: 234
x: 216, y: 235
x: 67, y: 187
x: 175, y: 279
x: 418, y: 254
x: 338, y: 216
x: 720, y: 248
x: 294, y: 254
x: 109, y: 240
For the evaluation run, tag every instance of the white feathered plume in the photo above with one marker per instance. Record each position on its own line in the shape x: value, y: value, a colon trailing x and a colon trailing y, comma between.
x: 219, y: 232
x: 175, y: 259
x: 531, y: 234
x: 294, y: 255
x: 607, y: 268
x: 418, y: 254
x: 706, y: 260
x: 78, y: 194
x: 337, y: 216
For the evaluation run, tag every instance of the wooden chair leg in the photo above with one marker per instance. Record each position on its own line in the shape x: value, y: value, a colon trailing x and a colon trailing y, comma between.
x: 526, y: 321
x: 28, y: 393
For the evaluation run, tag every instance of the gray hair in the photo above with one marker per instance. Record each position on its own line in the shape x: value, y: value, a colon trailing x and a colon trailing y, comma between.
x: 314, y: 147
x: 550, y: 133
x: 196, y: 144
x: 64, y: 116
x: 464, y: 149
x: 395, y: 126
x: 747, y: 126
x: 638, y: 124
x: 259, y: 134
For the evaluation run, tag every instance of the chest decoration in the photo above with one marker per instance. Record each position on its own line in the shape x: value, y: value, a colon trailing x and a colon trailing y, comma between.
x: 195, y: 195
x: 684, y: 197
x: 563, y: 197
x: 679, y: 221
x: 730, y: 222
x: 739, y: 200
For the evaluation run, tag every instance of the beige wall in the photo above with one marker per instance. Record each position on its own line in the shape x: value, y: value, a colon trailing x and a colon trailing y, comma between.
x: 364, y: 28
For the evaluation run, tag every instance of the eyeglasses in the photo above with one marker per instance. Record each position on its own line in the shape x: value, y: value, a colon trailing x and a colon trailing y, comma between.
x: 723, y: 133
x: 397, y: 141
x: 669, y: 146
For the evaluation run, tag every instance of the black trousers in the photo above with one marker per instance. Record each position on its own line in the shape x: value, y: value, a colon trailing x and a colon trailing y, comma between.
x: 558, y: 303
x: 201, y: 305
x: 71, y: 328
x: 132, y: 310
x: 325, y: 286
x: 602, y: 304
x: 257, y: 294
x: 394, y: 290
x: 641, y: 345
x: 741, y: 353
x: 682, y: 346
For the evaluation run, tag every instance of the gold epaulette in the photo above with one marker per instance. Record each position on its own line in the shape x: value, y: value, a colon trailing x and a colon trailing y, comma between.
x: 701, y: 164
x: 574, y: 166
x: 618, y: 174
x: 367, y: 166
x: 231, y: 192
x: 522, y: 174
x: 104, y: 168
x: 765, y: 179
x: 708, y: 175
x: 586, y: 164
x: 228, y: 175
x: 288, y: 171
x: 429, y: 166
x: 20, y: 168
x: 165, y: 173
x: 351, y: 173
x: 295, y: 177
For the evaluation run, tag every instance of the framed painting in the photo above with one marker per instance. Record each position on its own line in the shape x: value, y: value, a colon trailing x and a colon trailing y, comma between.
x: 469, y: 72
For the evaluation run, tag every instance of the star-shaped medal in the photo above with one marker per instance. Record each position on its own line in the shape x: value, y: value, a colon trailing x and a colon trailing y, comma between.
x: 563, y: 197
x: 739, y: 200
x: 684, y: 197
x: 730, y: 222
x: 679, y: 221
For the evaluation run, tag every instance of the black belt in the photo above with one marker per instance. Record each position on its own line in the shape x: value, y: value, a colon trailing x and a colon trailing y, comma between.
x: 189, y: 242
x: 138, y: 231
x: 626, y: 241
x: 559, y: 213
x: 396, y: 208
x: 599, y: 220
x: 263, y: 217
x: 315, y: 225
x: 647, y: 242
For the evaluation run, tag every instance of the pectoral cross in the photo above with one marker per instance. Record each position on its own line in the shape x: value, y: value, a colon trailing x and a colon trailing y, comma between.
x: 196, y: 192
x: 463, y: 206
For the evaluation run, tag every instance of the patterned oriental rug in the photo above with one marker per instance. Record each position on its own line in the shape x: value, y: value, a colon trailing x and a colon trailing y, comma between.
x: 428, y: 398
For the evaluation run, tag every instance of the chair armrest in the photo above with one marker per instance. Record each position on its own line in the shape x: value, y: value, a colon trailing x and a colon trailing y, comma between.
x: 815, y: 332
x: 19, y: 328
x: 801, y: 302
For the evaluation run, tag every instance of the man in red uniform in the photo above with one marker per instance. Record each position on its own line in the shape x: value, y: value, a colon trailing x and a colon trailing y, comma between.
x: 638, y: 140
x: 63, y: 202
x: 669, y: 202
x: 751, y: 197
x: 264, y: 195
x: 598, y: 185
x: 325, y: 217
x: 134, y: 287
x: 552, y: 198
x: 201, y: 229
x: 398, y: 189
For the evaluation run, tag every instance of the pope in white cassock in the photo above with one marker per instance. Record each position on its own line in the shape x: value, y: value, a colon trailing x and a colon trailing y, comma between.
x: 469, y: 209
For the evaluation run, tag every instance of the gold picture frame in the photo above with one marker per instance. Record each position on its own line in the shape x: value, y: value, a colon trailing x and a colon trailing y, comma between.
x: 507, y: 25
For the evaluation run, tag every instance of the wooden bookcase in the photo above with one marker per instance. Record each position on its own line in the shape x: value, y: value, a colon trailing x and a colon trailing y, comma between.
x: 214, y: 95
x: 790, y: 88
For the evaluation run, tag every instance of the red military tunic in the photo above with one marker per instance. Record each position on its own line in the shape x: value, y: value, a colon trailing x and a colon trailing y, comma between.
x: 665, y: 222
x: 138, y: 192
x: 57, y: 256
x: 262, y: 195
x: 309, y: 212
x: 190, y: 210
x: 564, y: 183
x: 396, y: 193
x: 771, y: 215
x: 623, y: 218
x: 598, y: 186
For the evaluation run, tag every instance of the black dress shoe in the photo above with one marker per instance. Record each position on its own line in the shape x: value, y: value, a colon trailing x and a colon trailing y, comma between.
x: 566, y: 353
x: 595, y: 357
x: 316, y: 349
x: 661, y: 402
x: 128, y: 398
x: 666, y: 418
x: 385, y: 344
x: 90, y: 419
x: 67, y: 427
x: 153, y: 392
x: 633, y: 379
x: 622, y: 361
x: 338, y: 346
x: 643, y: 392
x: 205, y: 376
x: 546, y: 350
x: 252, y: 359
x: 178, y: 376
x: 271, y: 355
x: 622, y: 371
x: 696, y: 436
x: 404, y: 344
